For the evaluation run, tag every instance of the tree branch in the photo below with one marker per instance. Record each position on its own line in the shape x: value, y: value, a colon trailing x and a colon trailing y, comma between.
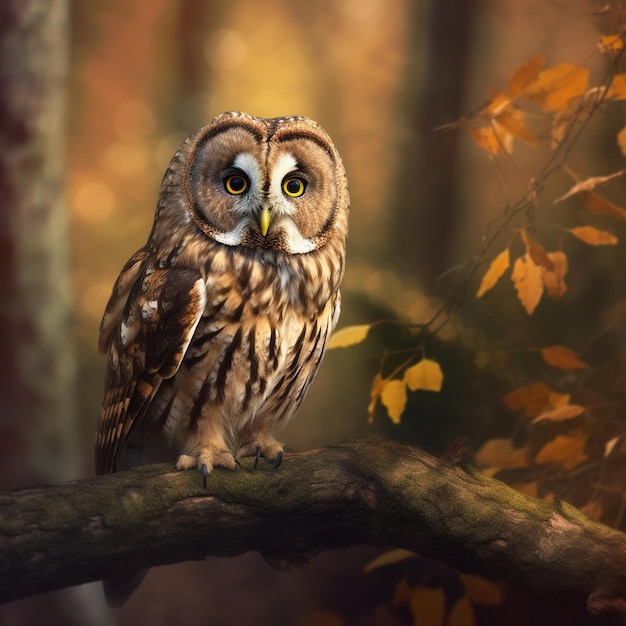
x: 374, y: 492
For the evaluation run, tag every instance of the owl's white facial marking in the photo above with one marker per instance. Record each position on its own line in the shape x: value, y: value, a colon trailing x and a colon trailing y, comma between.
x: 296, y: 243
x: 285, y: 164
x: 233, y: 237
x: 249, y: 204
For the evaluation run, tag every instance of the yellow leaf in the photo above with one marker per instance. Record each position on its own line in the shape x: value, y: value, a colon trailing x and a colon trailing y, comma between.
x: 597, y: 205
x: 536, y: 252
x: 556, y: 86
x: 497, y: 268
x: 525, y: 75
x: 533, y: 399
x: 501, y: 453
x: 390, y: 557
x: 425, y: 375
x: 378, y: 384
x: 428, y: 606
x: 348, y: 336
x: 617, y: 90
x: 608, y: 447
x: 562, y: 358
x: 461, y: 613
x: 589, y: 184
x: 393, y: 398
x: 561, y: 413
x: 594, y: 236
x: 554, y: 281
x: 482, y: 591
x: 568, y: 451
x: 528, y: 281
x: 611, y: 43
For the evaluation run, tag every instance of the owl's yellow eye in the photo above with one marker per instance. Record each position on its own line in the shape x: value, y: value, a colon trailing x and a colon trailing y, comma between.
x: 235, y: 184
x: 294, y: 187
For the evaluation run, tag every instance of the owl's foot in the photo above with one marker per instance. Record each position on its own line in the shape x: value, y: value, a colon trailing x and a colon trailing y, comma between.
x: 267, y: 448
x: 206, y: 460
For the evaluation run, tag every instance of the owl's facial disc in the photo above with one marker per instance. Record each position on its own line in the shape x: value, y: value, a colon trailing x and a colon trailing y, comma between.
x: 265, y: 204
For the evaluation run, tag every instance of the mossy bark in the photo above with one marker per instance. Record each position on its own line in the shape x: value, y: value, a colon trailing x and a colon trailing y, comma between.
x: 374, y: 492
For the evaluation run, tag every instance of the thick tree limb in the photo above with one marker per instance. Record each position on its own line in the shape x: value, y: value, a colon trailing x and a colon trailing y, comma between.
x: 375, y: 492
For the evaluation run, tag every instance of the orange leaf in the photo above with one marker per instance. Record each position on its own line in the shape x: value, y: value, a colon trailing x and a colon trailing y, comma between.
x: 609, y: 445
x: 389, y: 558
x: 533, y: 399
x: 528, y: 281
x: 393, y: 398
x: 562, y: 358
x: 621, y: 141
x: 568, y: 451
x: 537, y: 253
x: 490, y: 140
x: 611, y: 43
x: 496, y: 269
x: 589, y: 184
x: 525, y: 75
x: 501, y: 453
x: 617, y: 90
x: 557, y: 400
x: 597, y: 205
x: 561, y: 413
x: 378, y: 384
x: 554, y: 281
x: 428, y: 606
x: 593, y: 236
x: 556, y: 86
x: 513, y: 121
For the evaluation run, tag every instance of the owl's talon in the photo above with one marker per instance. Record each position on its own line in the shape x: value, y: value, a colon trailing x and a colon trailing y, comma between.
x: 205, y: 472
x: 279, y: 459
x: 257, y: 456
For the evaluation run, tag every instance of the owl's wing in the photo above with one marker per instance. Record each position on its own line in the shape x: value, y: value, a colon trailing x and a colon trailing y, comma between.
x: 146, y: 329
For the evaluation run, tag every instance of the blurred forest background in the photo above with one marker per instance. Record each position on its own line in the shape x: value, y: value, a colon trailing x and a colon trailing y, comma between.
x: 380, y: 76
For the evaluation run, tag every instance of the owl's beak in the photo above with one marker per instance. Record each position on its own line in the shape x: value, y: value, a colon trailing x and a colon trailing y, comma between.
x: 264, y: 219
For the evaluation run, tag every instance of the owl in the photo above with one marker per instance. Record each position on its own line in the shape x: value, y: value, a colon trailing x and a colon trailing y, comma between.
x: 216, y: 327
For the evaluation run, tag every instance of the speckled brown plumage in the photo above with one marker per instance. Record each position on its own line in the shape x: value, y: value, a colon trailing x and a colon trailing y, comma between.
x: 215, y: 329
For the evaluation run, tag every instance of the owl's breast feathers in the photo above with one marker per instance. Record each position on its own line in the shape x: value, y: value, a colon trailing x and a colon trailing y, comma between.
x: 233, y: 345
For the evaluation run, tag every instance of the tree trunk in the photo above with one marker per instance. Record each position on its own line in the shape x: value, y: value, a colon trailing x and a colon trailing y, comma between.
x: 38, y: 428
x: 36, y: 352
x: 426, y: 217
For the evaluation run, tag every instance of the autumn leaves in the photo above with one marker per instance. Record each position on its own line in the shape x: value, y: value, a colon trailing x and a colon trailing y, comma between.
x: 533, y: 273
x: 390, y: 390
x: 545, y: 107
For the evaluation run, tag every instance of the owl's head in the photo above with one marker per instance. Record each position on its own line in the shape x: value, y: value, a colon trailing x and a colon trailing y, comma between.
x: 276, y: 184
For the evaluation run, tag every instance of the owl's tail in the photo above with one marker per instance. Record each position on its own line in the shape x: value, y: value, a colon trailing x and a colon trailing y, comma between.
x: 118, y: 589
